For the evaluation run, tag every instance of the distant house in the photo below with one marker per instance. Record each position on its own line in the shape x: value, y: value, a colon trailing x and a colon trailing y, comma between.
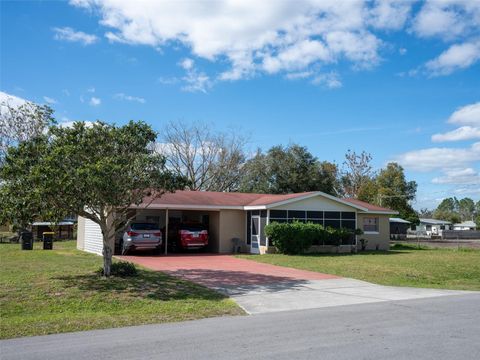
x: 398, y: 228
x: 432, y: 227
x: 466, y: 225
x: 63, y: 230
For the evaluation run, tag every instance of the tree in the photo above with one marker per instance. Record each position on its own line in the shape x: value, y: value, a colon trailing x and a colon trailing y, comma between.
x: 210, y: 161
x: 357, y: 171
x: 290, y: 169
x: 426, y: 213
x: 21, y: 123
x: 395, y: 192
x: 466, y: 208
x: 477, y: 214
x: 97, y: 172
x: 448, y: 210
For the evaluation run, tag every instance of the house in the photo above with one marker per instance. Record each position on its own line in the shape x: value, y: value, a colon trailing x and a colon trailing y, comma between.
x: 466, y: 225
x: 398, y: 228
x: 244, y: 216
x: 432, y: 227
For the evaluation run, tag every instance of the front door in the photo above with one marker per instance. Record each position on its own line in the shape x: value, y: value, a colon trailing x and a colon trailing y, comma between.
x: 255, y: 235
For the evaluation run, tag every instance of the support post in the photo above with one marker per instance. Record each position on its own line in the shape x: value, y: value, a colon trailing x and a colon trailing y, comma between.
x: 166, y: 231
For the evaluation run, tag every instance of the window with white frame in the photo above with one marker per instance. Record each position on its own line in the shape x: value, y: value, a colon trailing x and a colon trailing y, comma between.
x: 370, y: 224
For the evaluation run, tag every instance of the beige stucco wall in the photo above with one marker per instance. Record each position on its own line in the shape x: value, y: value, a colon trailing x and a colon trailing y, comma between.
x: 81, y: 233
x: 382, y: 239
x: 232, y: 225
x: 315, y: 203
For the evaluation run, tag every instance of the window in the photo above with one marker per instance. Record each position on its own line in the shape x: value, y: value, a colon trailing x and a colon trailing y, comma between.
x: 332, y: 214
x: 442, y: 227
x: 370, y: 224
x: 315, y: 215
x: 332, y: 223
x: 349, y: 224
x: 348, y: 215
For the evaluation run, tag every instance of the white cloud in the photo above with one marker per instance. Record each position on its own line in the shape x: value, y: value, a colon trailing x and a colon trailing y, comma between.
x: 438, y: 158
x: 299, y: 75
x: 389, y: 14
x: 69, y: 34
x: 122, y: 96
x: 459, y: 176
x: 69, y: 123
x: 91, y: 90
x: 456, y: 57
x: 49, y: 100
x: 187, y: 64
x: 462, y: 133
x: 94, y: 101
x: 447, y: 19
x: 194, y: 80
x: 466, y: 115
x: 11, y: 100
x: 330, y: 80
x: 402, y: 51
x: 253, y: 36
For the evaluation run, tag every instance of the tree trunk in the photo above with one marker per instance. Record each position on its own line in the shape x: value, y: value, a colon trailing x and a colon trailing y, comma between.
x: 107, y: 259
x: 108, y: 246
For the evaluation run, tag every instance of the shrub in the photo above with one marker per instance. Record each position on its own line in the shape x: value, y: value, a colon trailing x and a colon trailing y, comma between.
x: 122, y: 269
x: 291, y: 238
x: 297, y: 237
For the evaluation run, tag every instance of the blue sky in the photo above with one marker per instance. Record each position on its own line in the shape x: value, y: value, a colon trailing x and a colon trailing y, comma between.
x: 380, y: 77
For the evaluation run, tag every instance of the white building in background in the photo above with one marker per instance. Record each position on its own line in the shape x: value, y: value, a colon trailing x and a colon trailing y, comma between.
x: 466, y: 225
x: 431, y: 227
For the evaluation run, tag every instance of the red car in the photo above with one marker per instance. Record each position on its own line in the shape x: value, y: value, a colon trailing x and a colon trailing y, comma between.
x: 187, y: 236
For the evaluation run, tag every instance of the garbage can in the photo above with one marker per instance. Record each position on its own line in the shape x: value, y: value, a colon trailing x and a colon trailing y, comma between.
x: 236, y: 245
x: 48, y: 240
x: 26, y: 240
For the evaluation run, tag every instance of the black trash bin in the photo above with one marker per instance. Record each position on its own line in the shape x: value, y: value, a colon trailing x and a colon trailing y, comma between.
x: 26, y: 240
x: 48, y: 240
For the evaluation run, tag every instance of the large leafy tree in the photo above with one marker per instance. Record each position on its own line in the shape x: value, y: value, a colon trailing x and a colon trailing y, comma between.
x: 98, y: 172
x: 466, y: 208
x: 395, y: 192
x: 455, y: 210
x: 290, y: 169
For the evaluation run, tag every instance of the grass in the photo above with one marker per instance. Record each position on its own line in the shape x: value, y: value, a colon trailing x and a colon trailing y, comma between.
x: 45, y: 292
x: 404, y: 265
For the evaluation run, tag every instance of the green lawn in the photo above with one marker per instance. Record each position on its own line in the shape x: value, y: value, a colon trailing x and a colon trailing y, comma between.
x: 402, y: 266
x: 44, y: 292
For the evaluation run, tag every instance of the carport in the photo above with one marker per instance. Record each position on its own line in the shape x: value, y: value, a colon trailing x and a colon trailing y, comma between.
x: 169, y: 217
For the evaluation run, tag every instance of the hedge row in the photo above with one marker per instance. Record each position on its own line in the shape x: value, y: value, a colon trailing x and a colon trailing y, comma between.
x: 298, y: 237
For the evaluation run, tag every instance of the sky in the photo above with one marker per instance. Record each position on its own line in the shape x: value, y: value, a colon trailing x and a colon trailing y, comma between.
x: 398, y: 79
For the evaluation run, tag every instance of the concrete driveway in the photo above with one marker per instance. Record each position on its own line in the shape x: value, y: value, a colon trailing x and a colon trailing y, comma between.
x: 264, y: 288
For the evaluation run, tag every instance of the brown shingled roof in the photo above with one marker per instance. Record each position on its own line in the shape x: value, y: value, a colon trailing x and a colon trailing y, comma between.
x: 236, y: 199
x: 212, y: 198
x: 369, y: 206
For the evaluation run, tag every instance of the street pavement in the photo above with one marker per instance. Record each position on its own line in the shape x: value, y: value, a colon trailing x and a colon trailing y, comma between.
x: 445, y: 327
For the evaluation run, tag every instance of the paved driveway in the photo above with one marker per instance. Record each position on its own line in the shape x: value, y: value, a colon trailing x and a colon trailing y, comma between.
x: 262, y: 288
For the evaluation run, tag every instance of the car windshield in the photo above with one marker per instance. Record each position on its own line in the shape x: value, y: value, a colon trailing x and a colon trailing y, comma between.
x: 144, y: 226
x: 192, y: 227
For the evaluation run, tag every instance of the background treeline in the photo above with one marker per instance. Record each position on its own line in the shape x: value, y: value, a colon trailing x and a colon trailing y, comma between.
x: 455, y: 210
x: 218, y: 161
